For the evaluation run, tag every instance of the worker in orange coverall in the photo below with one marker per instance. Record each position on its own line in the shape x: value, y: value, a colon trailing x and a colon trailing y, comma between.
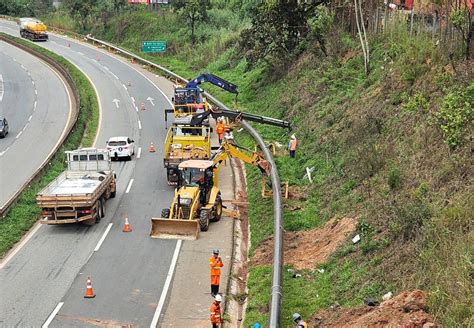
x: 216, y: 314
x: 216, y: 264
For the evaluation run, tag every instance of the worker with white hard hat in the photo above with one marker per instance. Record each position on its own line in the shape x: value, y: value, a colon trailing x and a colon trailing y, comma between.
x: 216, y: 313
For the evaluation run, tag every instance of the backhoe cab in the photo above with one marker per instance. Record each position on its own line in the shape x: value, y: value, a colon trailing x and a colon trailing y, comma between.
x: 197, y: 199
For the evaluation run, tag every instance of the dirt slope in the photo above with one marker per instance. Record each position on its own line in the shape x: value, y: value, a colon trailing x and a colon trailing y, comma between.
x: 305, y: 249
x: 406, y: 310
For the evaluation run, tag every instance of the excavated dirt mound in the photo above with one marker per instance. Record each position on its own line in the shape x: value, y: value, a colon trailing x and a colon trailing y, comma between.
x: 305, y: 249
x: 406, y: 310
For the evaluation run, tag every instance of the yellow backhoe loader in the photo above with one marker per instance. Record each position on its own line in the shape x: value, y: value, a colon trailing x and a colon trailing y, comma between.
x: 197, y: 199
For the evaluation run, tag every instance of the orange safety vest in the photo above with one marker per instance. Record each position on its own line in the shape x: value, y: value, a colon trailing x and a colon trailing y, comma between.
x: 215, y: 313
x: 220, y: 128
x: 293, y: 144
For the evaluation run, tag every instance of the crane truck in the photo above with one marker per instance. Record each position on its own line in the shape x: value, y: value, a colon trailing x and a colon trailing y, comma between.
x: 185, y: 142
x: 197, y: 198
x: 79, y: 193
x: 188, y: 100
x: 33, y: 29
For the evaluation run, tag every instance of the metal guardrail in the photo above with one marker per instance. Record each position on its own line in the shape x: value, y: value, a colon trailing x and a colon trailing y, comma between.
x: 276, y: 292
x: 75, y: 108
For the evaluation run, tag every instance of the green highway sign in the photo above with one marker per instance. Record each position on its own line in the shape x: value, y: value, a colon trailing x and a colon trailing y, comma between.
x: 153, y: 46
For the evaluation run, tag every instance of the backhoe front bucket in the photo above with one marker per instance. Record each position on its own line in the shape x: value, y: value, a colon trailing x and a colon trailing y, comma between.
x: 174, y: 229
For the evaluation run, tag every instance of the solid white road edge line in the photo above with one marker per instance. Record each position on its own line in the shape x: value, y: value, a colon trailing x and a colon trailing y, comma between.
x: 103, y: 237
x: 19, y: 134
x: 139, y: 153
x: 129, y: 186
x: 53, y: 314
x: 161, y: 302
x: 20, y: 245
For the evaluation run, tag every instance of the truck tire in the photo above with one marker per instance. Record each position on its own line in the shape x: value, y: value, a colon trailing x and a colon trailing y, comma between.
x: 165, y: 213
x: 112, y: 194
x: 217, y: 209
x: 204, y: 220
x: 102, y: 207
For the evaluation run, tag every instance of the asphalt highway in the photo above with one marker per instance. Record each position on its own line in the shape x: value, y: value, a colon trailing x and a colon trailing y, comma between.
x: 32, y: 97
x: 44, y: 282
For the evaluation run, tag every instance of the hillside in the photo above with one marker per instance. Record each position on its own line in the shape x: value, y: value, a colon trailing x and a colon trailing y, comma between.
x: 391, y: 151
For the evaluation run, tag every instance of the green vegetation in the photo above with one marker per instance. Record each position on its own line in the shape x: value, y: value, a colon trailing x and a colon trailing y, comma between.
x: 391, y: 149
x: 24, y: 213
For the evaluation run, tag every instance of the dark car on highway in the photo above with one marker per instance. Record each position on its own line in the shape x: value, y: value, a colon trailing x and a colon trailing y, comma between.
x: 3, y: 127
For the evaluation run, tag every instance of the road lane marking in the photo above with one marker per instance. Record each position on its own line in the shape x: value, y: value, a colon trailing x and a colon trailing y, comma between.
x: 136, y: 108
x: 106, y: 68
x: 114, y: 75
x: 116, y: 101
x: 36, y: 92
x: 23, y: 66
x: 3, y: 152
x: 34, y: 106
x: 19, y: 134
x: 124, y: 86
x: 53, y: 314
x: 139, y: 152
x: 161, y: 302
x: 129, y: 186
x: 139, y: 125
x: 22, y: 243
x: 32, y: 82
x: 2, y: 88
x: 150, y: 99
x: 24, y: 128
x: 29, y: 118
x: 133, y: 99
x: 80, y: 53
x: 103, y: 237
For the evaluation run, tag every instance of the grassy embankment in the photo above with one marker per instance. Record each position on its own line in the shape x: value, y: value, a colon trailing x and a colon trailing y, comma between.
x: 391, y: 149
x: 24, y: 213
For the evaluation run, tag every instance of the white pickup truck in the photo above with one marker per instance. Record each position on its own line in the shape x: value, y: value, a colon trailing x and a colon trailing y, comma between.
x: 79, y: 194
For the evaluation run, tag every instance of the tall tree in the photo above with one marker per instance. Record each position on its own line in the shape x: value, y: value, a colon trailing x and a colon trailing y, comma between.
x: 80, y: 9
x: 193, y: 11
x: 277, y: 29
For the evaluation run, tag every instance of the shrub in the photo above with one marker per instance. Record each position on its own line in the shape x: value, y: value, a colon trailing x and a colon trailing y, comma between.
x: 394, y: 178
x: 456, y: 115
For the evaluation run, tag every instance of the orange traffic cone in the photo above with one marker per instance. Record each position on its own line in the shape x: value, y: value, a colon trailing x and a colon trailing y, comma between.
x: 152, y: 148
x: 89, y: 291
x: 142, y: 106
x: 127, y: 227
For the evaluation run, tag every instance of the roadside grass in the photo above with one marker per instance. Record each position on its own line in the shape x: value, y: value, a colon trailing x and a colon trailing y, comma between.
x: 24, y: 213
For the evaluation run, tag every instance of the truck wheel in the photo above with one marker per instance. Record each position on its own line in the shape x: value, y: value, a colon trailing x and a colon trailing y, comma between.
x: 112, y: 194
x: 217, y: 209
x: 204, y: 220
x: 165, y: 213
x: 102, y: 208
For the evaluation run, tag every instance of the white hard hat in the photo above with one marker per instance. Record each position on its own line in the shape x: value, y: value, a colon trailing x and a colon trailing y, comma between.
x: 293, y: 136
x: 296, y: 316
x: 218, y: 298
x: 215, y: 251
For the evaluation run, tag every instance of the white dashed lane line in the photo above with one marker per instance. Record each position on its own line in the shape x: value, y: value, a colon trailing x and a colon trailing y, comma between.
x: 103, y: 237
x: 129, y: 186
x: 139, y: 152
x: 139, y: 125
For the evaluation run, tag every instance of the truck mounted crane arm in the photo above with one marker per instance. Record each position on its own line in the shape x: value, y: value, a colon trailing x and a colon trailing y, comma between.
x: 211, y: 78
x: 236, y: 115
